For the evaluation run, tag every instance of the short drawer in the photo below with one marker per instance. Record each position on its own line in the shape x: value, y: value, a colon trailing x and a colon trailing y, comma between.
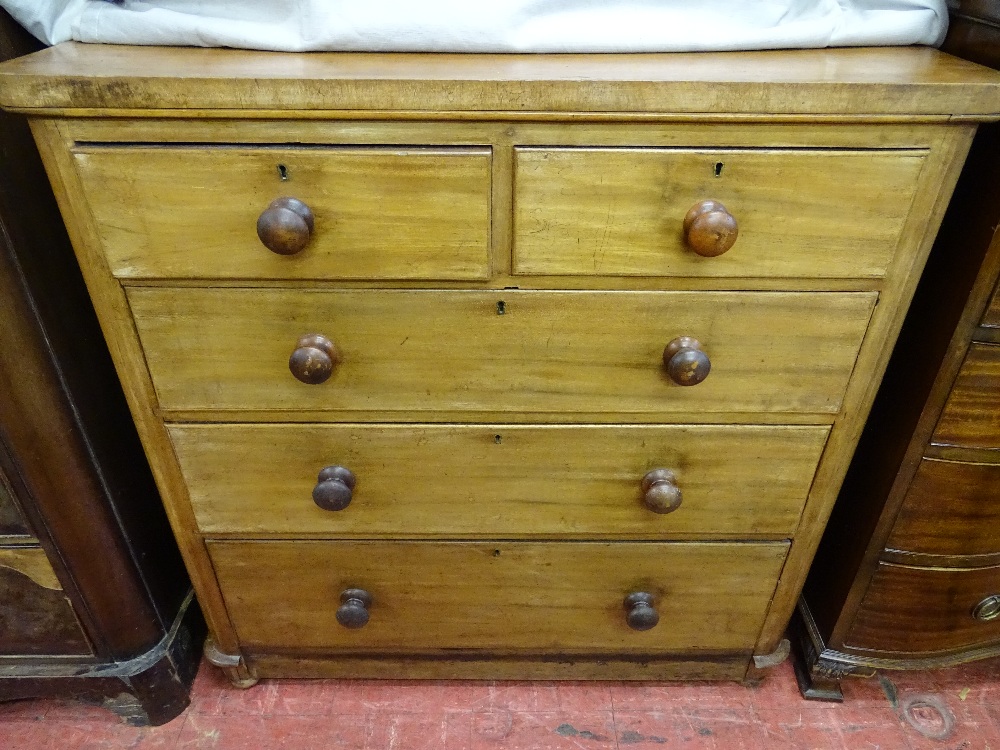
x: 798, y: 213
x: 911, y: 610
x: 967, y: 524
x: 509, y: 352
x: 971, y: 416
x: 503, y: 596
x: 498, y: 480
x: 192, y: 212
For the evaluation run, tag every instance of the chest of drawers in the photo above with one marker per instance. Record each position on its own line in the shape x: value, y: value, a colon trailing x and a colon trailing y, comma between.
x: 484, y: 366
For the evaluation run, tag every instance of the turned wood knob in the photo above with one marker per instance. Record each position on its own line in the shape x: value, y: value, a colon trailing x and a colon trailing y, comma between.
x: 285, y: 226
x: 988, y: 609
x: 353, y: 610
x: 686, y: 363
x: 640, y: 613
x: 660, y: 492
x: 314, y: 358
x: 709, y: 229
x: 334, y: 488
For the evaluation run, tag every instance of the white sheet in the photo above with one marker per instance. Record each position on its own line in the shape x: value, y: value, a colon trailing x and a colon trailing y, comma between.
x: 488, y: 25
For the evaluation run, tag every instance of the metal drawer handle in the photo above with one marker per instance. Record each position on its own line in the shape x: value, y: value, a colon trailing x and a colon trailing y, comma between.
x: 988, y: 609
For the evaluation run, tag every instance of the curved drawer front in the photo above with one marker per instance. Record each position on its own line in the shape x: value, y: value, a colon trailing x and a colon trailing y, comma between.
x: 967, y: 524
x: 488, y: 480
x: 971, y: 416
x: 549, y: 352
x: 798, y: 213
x: 910, y: 610
x: 379, y: 213
x: 497, y: 595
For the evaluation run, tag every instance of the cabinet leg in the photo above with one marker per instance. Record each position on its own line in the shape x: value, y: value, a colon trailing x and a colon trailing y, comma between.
x: 233, y: 665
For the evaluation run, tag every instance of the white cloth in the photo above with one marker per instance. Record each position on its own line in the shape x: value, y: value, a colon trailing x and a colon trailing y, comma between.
x: 487, y: 26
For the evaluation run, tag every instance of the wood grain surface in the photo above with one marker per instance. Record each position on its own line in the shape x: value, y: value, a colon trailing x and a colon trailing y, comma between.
x: 971, y: 416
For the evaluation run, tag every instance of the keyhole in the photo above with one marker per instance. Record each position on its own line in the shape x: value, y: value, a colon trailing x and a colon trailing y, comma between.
x: 501, y: 307
x: 718, y: 168
x: 283, y: 173
x: 497, y: 439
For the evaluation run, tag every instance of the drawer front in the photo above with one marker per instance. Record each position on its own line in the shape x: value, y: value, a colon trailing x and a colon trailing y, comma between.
x: 971, y: 416
x: 498, y: 595
x: 549, y: 352
x: 968, y: 523
x: 594, y: 211
x: 488, y: 480
x: 910, y: 610
x: 405, y: 213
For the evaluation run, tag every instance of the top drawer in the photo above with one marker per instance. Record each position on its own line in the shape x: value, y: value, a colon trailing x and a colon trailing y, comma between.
x: 192, y: 211
x: 798, y: 213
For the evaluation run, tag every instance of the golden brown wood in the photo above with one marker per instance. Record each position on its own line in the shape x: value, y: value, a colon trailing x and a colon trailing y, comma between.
x: 191, y: 211
x: 950, y: 509
x: 549, y: 352
x: 286, y: 225
x: 917, y: 611
x: 32, y: 562
x: 971, y: 416
x: 709, y: 229
x: 854, y: 82
x: 498, y: 480
x: 622, y: 211
x: 518, y: 597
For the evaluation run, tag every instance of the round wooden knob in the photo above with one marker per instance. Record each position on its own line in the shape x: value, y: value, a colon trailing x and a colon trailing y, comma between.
x: 353, y: 610
x: 660, y: 492
x: 709, y: 229
x: 285, y: 226
x: 314, y: 358
x: 334, y: 489
x: 639, y: 610
x: 686, y: 363
x: 988, y: 609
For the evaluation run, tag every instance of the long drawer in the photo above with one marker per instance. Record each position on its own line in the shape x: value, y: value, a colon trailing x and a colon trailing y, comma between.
x: 971, y: 416
x: 516, y: 597
x: 503, y: 352
x: 797, y: 213
x: 504, y: 481
x: 379, y: 213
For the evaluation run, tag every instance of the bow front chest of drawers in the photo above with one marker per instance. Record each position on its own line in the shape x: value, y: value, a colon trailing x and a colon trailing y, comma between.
x: 500, y: 366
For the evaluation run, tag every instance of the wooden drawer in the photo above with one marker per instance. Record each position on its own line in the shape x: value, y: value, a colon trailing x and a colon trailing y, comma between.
x: 489, y: 480
x: 971, y: 416
x: 549, y: 352
x: 190, y: 211
x: 910, y: 610
x: 504, y: 596
x: 967, y: 524
x: 800, y: 213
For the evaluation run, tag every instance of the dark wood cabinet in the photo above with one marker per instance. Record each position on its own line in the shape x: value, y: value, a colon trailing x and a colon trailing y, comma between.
x: 908, y: 572
x: 94, y: 600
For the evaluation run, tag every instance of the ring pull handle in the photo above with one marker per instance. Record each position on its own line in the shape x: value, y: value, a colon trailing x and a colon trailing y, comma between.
x: 353, y: 610
x: 313, y: 360
x: 639, y: 611
x: 988, y: 609
x: 286, y: 226
x: 660, y: 492
x: 709, y: 229
x: 686, y: 363
x: 334, y: 488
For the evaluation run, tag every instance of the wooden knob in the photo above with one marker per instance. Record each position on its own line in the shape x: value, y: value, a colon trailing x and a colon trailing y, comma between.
x: 660, y: 492
x: 285, y: 226
x: 686, y: 363
x: 314, y: 358
x: 353, y: 610
x: 709, y: 229
x: 639, y: 610
x: 334, y: 489
x: 988, y: 609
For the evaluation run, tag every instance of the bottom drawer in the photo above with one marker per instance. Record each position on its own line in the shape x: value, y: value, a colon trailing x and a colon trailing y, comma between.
x: 502, y: 596
x: 910, y: 610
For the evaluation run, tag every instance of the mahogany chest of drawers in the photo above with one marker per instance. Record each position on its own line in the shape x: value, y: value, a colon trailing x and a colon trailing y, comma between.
x: 486, y: 366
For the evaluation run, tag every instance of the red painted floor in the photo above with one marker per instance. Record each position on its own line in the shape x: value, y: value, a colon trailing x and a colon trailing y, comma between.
x: 372, y: 715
